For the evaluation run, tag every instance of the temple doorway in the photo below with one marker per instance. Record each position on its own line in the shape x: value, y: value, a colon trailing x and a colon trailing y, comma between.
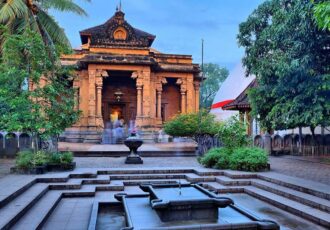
x: 119, y: 102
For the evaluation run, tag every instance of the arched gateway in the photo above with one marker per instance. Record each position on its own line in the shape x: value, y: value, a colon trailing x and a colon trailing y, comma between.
x: 120, y: 78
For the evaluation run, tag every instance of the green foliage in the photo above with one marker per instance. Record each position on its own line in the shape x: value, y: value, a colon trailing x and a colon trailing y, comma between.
x: 214, y: 75
x: 245, y: 159
x: 288, y: 54
x: 47, y: 109
x: 322, y: 14
x: 39, y: 158
x: 192, y: 125
x: 24, y: 160
x: 232, y: 134
x: 61, y: 158
x: 216, y: 157
x: 28, y: 159
x: 19, y: 16
x: 248, y: 159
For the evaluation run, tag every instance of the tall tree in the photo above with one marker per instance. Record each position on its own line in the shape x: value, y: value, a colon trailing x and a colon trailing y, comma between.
x: 214, y: 75
x: 322, y: 14
x: 290, y: 57
x: 48, y: 107
x: 20, y: 15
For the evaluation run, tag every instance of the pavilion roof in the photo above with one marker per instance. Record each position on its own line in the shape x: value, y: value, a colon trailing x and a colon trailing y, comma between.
x: 242, y: 101
x: 103, y: 35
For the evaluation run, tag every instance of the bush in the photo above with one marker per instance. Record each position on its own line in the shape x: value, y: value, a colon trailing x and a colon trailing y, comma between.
x: 216, y: 157
x: 248, y: 159
x: 223, y: 160
x: 61, y: 158
x: 67, y: 157
x: 39, y: 158
x: 232, y: 134
x: 24, y: 159
x: 192, y: 124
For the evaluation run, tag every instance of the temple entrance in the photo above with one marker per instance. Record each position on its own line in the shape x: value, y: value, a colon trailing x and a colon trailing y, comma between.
x: 119, y: 101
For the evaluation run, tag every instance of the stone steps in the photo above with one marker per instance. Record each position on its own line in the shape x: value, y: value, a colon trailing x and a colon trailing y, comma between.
x: 224, y: 180
x: 312, y: 188
x: 147, y: 176
x: 155, y: 181
x: 144, y: 171
x: 294, y: 207
x: 301, y: 197
x: 218, y: 188
x: 14, y: 210
x: 38, y: 214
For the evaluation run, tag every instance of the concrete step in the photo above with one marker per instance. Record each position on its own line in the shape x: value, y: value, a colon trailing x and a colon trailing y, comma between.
x: 14, y: 210
x: 224, y: 180
x: 39, y: 213
x: 218, y: 188
x: 144, y: 171
x: 307, y: 212
x: 146, y: 176
x: 156, y: 181
x: 309, y: 187
x: 301, y: 197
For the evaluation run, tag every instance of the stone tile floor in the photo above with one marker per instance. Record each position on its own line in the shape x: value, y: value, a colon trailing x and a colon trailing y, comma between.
x: 318, y: 171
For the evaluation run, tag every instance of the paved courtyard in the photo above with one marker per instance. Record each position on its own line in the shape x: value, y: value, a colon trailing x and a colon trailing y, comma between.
x: 59, y: 200
x: 314, y: 169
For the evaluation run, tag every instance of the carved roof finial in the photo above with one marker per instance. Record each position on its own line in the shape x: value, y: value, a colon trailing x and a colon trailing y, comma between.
x: 119, y: 7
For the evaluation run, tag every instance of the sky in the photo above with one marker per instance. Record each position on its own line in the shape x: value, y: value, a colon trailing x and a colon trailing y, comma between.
x: 179, y: 25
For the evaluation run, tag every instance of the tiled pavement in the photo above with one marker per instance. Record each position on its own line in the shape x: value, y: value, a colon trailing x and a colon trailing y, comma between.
x: 35, y: 207
x: 308, y: 199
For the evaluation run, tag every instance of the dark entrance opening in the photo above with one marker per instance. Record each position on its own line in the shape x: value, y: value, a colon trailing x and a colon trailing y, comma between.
x: 119, y: 102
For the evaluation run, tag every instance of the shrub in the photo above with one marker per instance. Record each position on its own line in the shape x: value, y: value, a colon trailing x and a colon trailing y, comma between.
x: 24, y: 159
x: 39, y: 158
x: 67, y: 157
x: 192, y: 124
x: 223, y: 160
x: 232, y: 134
x: 216, y: 157
x: 248, y: 159
x: 61, y: 158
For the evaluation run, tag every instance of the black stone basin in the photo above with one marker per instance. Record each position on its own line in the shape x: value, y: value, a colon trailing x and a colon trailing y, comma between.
x: 186, y: 206
x: 185, y: 202
x: 133, y: 143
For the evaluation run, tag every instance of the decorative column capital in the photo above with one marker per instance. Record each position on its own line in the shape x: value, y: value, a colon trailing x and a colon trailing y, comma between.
x: 101, y: 73
x: 197, y: 85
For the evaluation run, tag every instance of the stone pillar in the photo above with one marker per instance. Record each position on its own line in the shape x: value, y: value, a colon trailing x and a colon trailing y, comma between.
x: 159, y: 104
x: 183, y: 101
x: 268, y: 143
x: 139, y: 100
x: 190, y: 94
x: 146, y: 97
x: 91, y: 98
x: 197, y: 95
x: 183, y: 90
x: 76, y: 87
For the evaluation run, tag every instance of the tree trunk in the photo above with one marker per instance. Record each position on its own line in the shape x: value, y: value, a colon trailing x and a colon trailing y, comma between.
x: 300, y: 141
x: 313, y: 139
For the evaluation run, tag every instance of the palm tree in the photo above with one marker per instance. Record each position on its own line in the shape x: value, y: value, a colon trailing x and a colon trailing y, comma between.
x: 20, y: 15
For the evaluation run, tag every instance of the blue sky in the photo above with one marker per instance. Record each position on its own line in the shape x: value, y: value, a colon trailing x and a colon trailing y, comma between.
x: 178, y: 24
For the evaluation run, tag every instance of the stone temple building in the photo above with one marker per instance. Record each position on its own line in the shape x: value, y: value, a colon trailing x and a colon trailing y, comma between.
x: 119, y: 77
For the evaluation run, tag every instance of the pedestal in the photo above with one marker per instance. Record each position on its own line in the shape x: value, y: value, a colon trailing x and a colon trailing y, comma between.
x: 133, y: 159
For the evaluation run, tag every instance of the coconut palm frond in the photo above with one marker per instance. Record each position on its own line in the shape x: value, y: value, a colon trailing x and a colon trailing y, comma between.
x: 63, y: 6
x: 12, y: 9
x: 51, y: 28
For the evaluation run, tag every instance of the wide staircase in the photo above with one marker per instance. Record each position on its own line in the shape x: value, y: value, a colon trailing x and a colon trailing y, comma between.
x: 29, y: 203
